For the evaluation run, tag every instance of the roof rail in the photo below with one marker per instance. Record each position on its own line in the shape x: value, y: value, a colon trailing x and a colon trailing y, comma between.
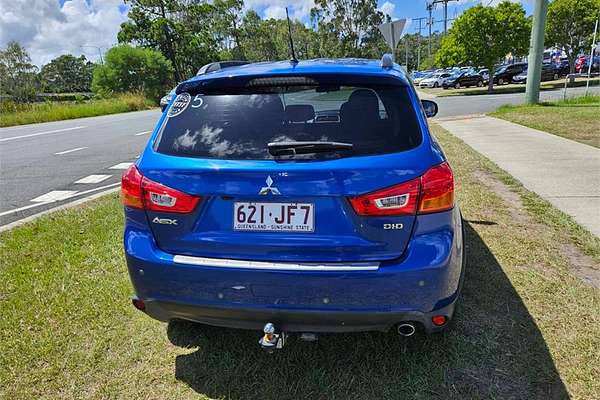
x: 217, y: 65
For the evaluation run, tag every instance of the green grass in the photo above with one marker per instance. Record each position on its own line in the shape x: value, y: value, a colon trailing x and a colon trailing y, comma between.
x: 510, y: 88
x: 29, y: 113
x: 575, y: 118
x: 526, y: 327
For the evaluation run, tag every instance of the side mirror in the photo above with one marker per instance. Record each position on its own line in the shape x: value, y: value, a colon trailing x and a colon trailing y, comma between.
x: 430, y: 107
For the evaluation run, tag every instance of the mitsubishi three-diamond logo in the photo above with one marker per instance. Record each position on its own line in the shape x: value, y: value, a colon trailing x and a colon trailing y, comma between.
x: 269, y: 188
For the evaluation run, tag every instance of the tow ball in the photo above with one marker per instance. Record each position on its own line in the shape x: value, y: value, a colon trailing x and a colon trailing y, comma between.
x: 272, y: 341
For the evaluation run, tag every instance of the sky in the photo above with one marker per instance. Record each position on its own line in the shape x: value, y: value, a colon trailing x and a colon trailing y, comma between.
x: 49, y: 28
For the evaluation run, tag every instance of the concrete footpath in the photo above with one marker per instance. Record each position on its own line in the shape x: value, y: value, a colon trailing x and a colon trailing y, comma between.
x: 562, y: 171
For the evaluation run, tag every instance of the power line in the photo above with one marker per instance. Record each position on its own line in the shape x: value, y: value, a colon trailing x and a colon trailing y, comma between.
x: 445, y: 2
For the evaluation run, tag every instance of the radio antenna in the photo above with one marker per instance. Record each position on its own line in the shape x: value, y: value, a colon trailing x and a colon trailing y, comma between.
x: 294, y: 58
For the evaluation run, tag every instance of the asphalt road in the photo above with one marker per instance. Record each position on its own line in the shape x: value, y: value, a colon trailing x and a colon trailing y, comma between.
x: 46, y: 165
x: 463, y: 105
x: 47, y: 159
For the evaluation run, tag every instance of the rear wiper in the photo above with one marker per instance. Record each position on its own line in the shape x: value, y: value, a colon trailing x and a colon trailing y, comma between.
x: 293, y: 148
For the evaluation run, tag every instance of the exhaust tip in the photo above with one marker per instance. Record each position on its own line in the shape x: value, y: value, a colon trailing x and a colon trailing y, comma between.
x: 406, y: 329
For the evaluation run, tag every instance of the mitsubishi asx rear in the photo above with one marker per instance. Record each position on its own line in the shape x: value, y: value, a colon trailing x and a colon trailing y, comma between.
x: 296, y: 197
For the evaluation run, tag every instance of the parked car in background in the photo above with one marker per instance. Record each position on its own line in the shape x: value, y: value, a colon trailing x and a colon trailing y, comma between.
x: 580, y: 63
x: 505, y: 73
x: 418, y: 80
x: 434, y: 81
x: 166, y: 99
x: 563, y: 68
x: 462, y: 79
x: 485, y: 74
x: 549, y: 72
x: 582, y: 67
x: 247, y: 210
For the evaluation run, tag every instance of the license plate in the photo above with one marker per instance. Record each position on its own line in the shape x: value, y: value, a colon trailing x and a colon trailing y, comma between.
x: 274, y: 217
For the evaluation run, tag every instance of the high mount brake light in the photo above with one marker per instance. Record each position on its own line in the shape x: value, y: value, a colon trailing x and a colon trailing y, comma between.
x: 429, y: 193
x: 137, y: 191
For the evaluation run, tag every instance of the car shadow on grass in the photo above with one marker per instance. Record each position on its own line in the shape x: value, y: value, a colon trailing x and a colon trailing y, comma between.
x: 494, y: 350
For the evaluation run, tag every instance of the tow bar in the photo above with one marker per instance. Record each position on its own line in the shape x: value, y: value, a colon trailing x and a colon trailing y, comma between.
x: 272, y: 341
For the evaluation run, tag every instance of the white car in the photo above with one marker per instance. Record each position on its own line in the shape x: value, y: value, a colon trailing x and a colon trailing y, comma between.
x: 417, y: 81
x: 434, y: 80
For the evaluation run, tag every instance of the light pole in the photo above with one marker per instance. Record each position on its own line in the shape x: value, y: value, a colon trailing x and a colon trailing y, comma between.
x: 536, y: 52
x: 95, y: 47
x: 592, y: 52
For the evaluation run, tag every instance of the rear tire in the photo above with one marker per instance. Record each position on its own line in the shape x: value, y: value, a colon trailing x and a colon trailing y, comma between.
x: 435, y: 85
x: 555, y: 77
x: 500, y: 81
x: 457, y: 85
x: 479, y: 83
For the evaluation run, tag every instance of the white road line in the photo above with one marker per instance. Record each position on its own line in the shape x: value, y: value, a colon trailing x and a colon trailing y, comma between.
x: 60, y: 153
x: 76, y: 195
x: 41, y: 133
x: 142, y: 133
x: 55, y: 195
x: 123, y: 165
x: 93, y: 179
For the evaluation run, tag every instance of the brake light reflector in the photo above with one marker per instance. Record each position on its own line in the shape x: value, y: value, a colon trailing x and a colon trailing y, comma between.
x: 437, y: 189
x: 429, y: 193
x: 137, y: 191
x: 396, y: 200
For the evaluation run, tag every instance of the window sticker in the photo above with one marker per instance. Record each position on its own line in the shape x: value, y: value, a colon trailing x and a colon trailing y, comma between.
x: 197, y: 102
x: 181, y: 103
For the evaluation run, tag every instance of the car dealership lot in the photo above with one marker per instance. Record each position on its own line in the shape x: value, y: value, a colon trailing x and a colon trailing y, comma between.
x: 66, y: 290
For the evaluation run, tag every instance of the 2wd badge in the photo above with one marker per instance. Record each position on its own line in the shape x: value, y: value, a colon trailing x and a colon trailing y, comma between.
x: 181, y: 103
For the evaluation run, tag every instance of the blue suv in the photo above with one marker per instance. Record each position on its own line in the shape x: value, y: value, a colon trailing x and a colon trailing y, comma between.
x: 309, y: 195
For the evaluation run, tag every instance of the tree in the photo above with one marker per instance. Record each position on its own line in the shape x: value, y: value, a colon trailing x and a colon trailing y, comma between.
x: 570, y: 26
x: 17, y: 73
x: 189, y: 33
x: 269, y: 39
x: 132, y: 69
x: 483, y: 35
x: 450, y: 54
x: 348, y: 28
x: 67, y: 73
x: 418, y: 47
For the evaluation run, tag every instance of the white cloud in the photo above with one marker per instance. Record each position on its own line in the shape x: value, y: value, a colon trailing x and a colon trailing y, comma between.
x: 276, y: 12
x: 388, y: 8
x: 299, y: 9
x: 48, y: 30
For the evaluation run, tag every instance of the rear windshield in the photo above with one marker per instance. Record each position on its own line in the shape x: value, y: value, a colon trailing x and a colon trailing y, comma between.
x: 375, y: 120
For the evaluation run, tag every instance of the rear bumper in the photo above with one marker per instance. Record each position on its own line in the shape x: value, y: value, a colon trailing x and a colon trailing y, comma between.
x: 422, y: 283
x: 291, y: 320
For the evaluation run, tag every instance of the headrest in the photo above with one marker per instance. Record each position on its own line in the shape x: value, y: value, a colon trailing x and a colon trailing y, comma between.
x: 299, y: 112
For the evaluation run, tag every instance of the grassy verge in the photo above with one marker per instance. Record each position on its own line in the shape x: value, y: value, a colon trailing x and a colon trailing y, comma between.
x: 526, y: 327
x: 510, y: 88
x: 576, y: 118
x: 20, y: 114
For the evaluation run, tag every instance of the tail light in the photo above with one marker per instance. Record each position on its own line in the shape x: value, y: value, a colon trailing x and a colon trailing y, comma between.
x: 137, y: 191
x: 437, y: 189
x: 396, y: 200
x: 429, y: 193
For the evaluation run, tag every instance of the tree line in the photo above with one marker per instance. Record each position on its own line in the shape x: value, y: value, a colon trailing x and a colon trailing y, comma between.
x: 166, y: 41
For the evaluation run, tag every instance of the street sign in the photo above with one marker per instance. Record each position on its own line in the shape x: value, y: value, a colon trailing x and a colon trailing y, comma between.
x: 392, y: 31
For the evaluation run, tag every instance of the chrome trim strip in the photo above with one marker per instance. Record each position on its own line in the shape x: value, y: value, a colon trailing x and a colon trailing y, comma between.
x: 283, y: 266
